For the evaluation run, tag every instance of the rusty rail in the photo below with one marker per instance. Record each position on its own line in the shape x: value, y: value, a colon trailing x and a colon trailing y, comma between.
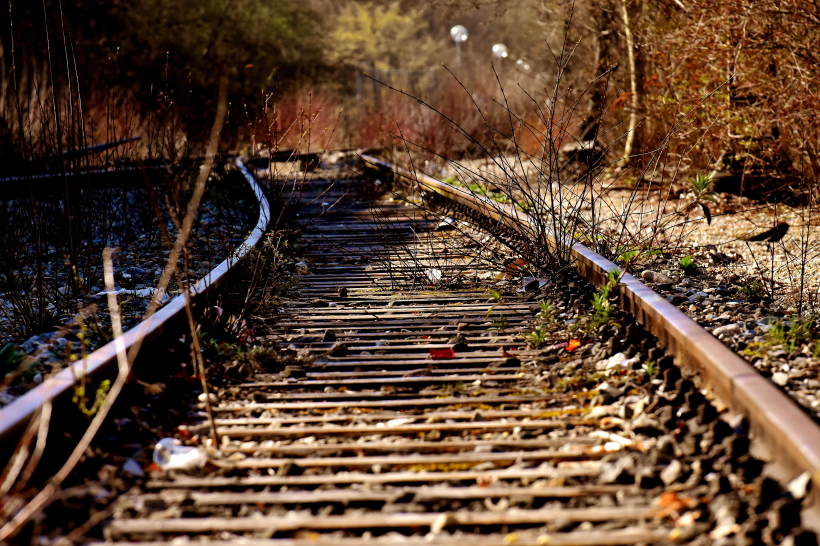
x: 15, y: 416
x: 782, y: 428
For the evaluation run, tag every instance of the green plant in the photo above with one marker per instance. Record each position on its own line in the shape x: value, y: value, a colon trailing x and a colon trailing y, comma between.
x: 753, y: 290
x: 702, y: 191
x: 627, y: 256
x: 651, y: 367
x: 538, y: 337
x: 453, y: 387
x: 99, y: 397
x: 601, y: 305
x: 790, y: 333
x: 562, y: 386
x: 502, y: 323
x: 10, y: 358
x: 497, y: 297
x: 547, y: 313
x: 688, y: 265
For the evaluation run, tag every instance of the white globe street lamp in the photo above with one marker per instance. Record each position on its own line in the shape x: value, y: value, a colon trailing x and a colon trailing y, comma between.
x: 459, y: 34
x: 500, y: 51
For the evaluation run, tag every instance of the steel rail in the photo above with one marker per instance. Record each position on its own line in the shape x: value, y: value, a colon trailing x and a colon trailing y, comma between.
x: 15, y: 416
x: 784, y: 431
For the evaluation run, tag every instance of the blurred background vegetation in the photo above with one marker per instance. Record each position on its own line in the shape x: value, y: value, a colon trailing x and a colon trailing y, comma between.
x: 323, y: 59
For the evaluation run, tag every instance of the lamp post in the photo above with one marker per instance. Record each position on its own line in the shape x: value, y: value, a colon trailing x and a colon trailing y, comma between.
x: 500, y: 51
x: 459, y: 34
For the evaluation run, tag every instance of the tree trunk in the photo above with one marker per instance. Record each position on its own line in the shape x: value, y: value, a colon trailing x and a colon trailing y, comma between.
x: 633, y: 85
x: 604, y: 28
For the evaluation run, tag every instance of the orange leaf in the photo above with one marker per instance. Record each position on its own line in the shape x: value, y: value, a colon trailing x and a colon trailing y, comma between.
x: 573, y: 344
x: 516, y: 266
x: 183, y: 432
x: 672, y: 501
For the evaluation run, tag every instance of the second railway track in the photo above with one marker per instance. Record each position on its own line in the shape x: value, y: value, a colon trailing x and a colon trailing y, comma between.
x: 405, y: 415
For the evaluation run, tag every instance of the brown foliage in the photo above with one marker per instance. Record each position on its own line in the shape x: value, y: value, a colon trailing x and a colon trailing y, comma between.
x: 765, y: 120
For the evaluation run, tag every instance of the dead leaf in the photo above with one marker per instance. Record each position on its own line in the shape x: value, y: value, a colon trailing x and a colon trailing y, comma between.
x: 152, y: 389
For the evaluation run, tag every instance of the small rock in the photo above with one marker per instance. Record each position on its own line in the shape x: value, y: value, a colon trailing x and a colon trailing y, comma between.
x: 618, y: 361
x: 672, y: 472
x: 329, y: 335
x: 780, y: 378
x: 338, y: 349
x: 294, y: 372
x: 800, y: 485
x: 343, y: 292
x: 319, y: 303
x: 459, y: 343
x: 697, y: 296
x: 446, y: 224
x: 211, y: 398
x: 676, y: 299
x: 530, y: 284
x: 130, y: 466
x: 729, y: 329
x: 609, y: 392
x: 658, y: 278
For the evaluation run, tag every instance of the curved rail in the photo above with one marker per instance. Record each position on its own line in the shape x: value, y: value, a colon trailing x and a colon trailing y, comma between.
x: 15, y: 416
x: 784, y: 430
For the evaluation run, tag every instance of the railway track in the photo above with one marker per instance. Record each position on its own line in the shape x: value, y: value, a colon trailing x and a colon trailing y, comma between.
x: 418, y: 414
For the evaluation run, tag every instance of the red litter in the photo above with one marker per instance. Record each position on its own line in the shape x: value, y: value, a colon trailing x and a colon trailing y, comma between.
x: 439, y: 354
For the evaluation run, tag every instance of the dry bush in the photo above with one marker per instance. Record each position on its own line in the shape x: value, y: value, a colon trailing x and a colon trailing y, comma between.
x: 765, y: 125
x: 528, y: 165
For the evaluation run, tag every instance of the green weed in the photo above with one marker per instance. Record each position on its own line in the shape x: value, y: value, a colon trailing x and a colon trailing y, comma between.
x: 627, y: 256
x: 81, y: 400
x: 688, y: 265
x: 10, y: 358
x: 538, y: 337
x: 497, y: 297
x: 752, y: 290
x: 601, y: 305
x: 547, y: 313
x: 702, y: 190
x: 790, y: 333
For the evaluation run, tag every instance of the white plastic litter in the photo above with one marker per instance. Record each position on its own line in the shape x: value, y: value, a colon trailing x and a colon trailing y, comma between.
x: 170, y: 455
x: 434, y: 275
